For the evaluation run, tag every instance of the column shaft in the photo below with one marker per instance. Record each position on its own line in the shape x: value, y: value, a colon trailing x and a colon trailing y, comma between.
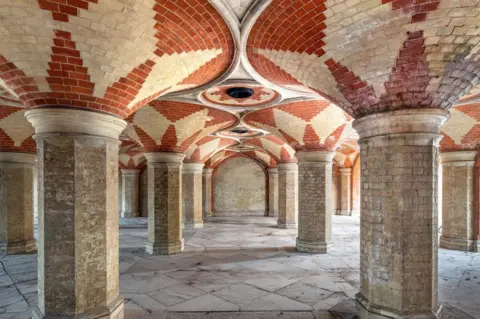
x: 287, y: 195
x: 78, y: 213
x: 16, y: 203
x: 273, y: 191
x: 130, y: 193
x: 192, y: 195
x: 315, y: 201
x: 399, y: 231
x: 345, y: 192
x: 164, y: 203
x: 458, y: 205
x: 207, y: 192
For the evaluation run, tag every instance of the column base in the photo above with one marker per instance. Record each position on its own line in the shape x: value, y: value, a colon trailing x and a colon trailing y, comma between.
x: 344, y: 213
x: 289, y: 224
x: 129, y: 214
x: 460, y: 244
x: 271, y: 214
x: 113, y: 311
x: 319, y: 247
x: 367, y: 310
x: 164, y: 249
x: 193, y: 225
x: 16, y: 248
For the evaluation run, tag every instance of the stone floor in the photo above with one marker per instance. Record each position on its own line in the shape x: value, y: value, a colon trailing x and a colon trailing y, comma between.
x: 244, y: 268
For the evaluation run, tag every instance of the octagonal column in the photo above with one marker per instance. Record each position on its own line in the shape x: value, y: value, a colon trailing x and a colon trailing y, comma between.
x: 398, y: 220
x: 273, y: 191
x: 130, y: 178
x: 287, y: 195
x: 207, y: 192
x: 16, y: 203
x: 315, y: 201
x: 78, y: 213
x: 345, y: 192
x: 458, y: 205
x: 164, y: 203
x: 192, y: 194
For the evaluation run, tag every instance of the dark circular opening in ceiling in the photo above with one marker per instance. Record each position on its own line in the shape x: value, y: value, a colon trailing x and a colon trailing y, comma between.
x: 240, y: 130
x: 240, y: 92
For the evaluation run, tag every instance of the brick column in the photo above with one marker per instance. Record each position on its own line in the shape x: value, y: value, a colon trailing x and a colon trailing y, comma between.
x: 164, y: 203
x: 130, y: 178
x: 287, y: 195
x: 458, y: 205
x: 16, y: 203
x: 207, y: 192
x: 78, y: 213
x: 398, y: 225
x: 273, y: 191
x: 192, y: 194
x: 345, y: 192
x: 315, y: 201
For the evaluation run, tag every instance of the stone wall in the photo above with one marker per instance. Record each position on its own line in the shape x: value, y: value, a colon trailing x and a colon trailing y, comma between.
x: 239, y: 186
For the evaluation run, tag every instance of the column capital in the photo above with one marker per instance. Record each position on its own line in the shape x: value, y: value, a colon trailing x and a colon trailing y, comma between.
x: 17, y: 158
x: 165, y: 157
x: 192, y: 168
x: 207, y: 171
x: 314, y: 156
x: 130, y: 171
x: 287, y: 166
x: 272, y: 170
x: 402, y: 127
x: 458, y: 158
x: 74, y: 121
x: 345, y: 170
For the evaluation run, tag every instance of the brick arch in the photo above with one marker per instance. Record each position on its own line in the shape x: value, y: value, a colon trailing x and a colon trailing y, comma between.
x: 131, y: 155
x: 174, y: 126
x: 15, y: 131
x: 85, y: 55
x: 403, y: 59
x: 205, y: 148
x: 313, y: 124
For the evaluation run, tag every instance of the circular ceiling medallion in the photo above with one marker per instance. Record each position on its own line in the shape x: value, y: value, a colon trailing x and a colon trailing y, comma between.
x: 240, y: 95
x: 241, y: 148
x: 240, y: 132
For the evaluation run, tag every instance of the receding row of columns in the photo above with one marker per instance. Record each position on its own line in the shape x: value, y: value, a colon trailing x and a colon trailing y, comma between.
x: 78, y: 209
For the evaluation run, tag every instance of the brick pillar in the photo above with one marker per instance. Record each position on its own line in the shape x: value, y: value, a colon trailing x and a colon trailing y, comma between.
x: 345, y: 192
x: 16, y: 203
x: 78, y: 213
x: 315, y: 201
x: 192, y: 194
x: 458, y: 205
x: 398, y: 220
x: 130, y: 178
x: 164, y: 203
x: 207, y: 192
x: 287, y: 195
x: 273, y: 191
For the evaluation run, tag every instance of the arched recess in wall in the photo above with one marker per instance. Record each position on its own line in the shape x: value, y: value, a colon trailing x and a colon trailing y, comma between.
x: 240, y: 187
x: 356, y: 186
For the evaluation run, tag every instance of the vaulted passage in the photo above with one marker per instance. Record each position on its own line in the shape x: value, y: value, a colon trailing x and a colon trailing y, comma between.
x: 239, y: 159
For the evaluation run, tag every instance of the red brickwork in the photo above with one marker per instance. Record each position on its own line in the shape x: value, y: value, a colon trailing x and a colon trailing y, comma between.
x: 131, y: 156
x: 17, y: 128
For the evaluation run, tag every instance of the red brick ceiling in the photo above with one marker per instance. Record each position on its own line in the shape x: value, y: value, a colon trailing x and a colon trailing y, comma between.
x: 112, y: 56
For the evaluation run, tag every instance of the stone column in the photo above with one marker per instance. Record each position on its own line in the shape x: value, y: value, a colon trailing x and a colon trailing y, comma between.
x: 399, y: 231
x: 16, y: 203
x: 78, y: 213
x: 130, y: 191
x: 164, y: 203
x: 315, y: 201
x: 287, y: 195
x: 273, y: 191
x: 192, y: 194
x: 458, y: 205
x: 345, y: 192
x: 207, y: 192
